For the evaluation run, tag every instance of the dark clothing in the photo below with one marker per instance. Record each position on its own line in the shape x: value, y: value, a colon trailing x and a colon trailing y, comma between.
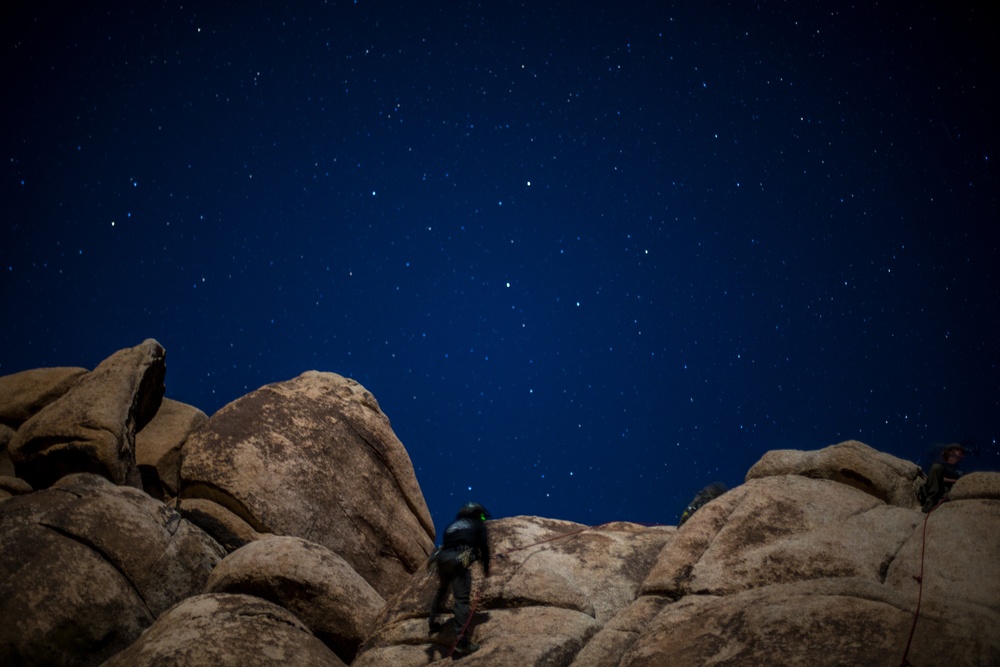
x: 702, y: 498
x: 936, y: 487
x: 452, y: 573
x: 465, y: 542
x: 468, y: 534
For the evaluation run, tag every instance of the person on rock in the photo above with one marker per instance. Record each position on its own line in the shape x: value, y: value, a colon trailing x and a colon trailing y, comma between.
x: 709, y: 493
x: 942, y: 476
x: 465, y: 542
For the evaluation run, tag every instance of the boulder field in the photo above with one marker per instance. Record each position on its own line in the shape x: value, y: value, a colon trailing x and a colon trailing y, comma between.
x: 289, y: 529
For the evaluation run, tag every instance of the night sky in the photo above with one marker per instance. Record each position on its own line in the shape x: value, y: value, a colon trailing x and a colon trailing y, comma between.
x: 589, y: 257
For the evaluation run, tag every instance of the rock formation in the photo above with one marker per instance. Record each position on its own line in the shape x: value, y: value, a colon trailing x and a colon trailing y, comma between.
x: 317, y: 585
x: 86, y: 566
x: 289, y: 528
x: 315, y: 458
x: 91, y: 427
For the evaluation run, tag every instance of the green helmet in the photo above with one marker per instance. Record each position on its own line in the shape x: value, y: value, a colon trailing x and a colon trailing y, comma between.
x: 473, y: 511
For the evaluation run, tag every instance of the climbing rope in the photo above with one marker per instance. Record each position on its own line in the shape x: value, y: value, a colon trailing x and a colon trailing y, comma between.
x: 461, y: 633
x: 920, y: 587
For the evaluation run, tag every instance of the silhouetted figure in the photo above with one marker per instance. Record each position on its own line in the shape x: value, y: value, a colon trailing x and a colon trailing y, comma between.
x: 710, y: 492
x: 942, y: 476
x: 465, y: 542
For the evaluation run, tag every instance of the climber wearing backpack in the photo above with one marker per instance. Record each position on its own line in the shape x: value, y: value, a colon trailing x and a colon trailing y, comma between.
x: 465, y: 542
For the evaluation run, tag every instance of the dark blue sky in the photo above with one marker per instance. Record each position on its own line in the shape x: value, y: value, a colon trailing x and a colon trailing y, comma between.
x: 588, y: 256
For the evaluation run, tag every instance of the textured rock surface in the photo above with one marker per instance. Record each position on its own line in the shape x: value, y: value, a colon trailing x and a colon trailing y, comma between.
x: 785, y: 569
x: 824, y: 622
x: 851, y: 463
x: 23, y: 394
x: 315, y: 458
x: 315, y: 584
x: 552, y: 586
x: 91, y: 428
x: 976, y: 486
x: 780, y: 530
x: 221, y: 630
x: 85, y: 566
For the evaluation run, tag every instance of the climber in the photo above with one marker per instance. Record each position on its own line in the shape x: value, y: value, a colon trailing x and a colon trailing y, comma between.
x: 710, y: 492
x: 942, y: 476
x: 465, y: 542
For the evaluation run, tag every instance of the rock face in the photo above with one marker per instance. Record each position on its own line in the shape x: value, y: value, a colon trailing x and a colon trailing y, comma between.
x: 91, y: 427
x: 851, y: 463
x: 806, y: 563
x: 221, y: 630
x: 315, y: 458
x: 315, y: 584
x: 552, y: 587
x: 86, y: 565
x: 23, y: 394
x: 289, y: 528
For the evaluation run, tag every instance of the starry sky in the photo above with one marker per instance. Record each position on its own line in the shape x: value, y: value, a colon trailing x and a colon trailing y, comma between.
x: 588, y: 256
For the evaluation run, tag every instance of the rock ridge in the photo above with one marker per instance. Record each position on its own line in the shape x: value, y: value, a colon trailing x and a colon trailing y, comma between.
x: 290, y: 528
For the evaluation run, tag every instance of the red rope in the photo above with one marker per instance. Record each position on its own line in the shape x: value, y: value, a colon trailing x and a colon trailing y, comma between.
x: 920, y: 588
x: 461, y: 633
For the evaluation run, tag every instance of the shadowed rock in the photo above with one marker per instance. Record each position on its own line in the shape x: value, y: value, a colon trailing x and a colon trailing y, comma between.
x: 6, y: 434
x: 158, y: 446
x: 222, y: 630
x: 13, y: 486
x: 309, y: 580
x: 23, y: 394
x: 224, y: 526
x: 85, y: 566
x: 91, y: 428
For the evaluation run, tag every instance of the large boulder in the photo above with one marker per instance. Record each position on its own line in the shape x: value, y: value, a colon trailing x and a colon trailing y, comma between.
x: 824, y: 622
x: 761, y: 573
x: 315, y: 457
x: 779, y: 530
x: 23, y: 394
x: 976, y: 485
x: 952, y: 557
x: 86, y: 565
x: 224, y: 630
x: 851, y: 463
x: 307, y: 579
x: 91, y: 428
